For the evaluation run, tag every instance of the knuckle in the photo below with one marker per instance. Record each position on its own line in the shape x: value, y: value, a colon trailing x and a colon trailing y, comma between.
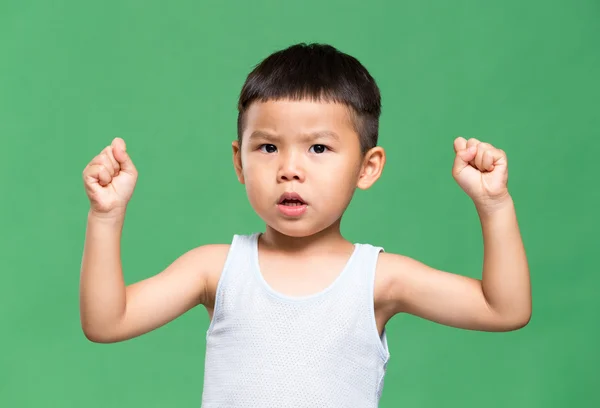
x: 107, y: 163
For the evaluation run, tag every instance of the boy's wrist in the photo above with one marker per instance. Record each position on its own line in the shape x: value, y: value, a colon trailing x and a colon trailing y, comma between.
x: 494, y: 207
x: 114, y: 217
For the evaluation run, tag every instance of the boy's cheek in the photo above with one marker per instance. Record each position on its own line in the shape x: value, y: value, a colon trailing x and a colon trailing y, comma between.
x: 256, y: 179
x: 257, y: 190
x: 257, y: 202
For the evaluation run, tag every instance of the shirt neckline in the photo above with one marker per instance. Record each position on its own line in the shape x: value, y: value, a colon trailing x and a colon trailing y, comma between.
x: 289, y: 298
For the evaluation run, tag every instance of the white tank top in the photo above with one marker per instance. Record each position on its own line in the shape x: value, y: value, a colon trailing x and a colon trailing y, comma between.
x: 265, y: 349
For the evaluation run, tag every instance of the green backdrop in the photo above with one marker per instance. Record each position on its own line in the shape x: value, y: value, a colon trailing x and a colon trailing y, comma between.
x: 165, y: 77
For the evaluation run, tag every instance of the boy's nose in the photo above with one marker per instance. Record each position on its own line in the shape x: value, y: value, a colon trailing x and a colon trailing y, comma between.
x: 290, y: 171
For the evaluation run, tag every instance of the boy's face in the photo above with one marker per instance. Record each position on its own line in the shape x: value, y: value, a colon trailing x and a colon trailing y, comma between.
x: 301, y: 163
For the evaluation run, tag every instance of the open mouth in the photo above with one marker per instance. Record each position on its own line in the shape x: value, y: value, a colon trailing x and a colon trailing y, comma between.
x: 291, y: 203
x: 291, y: 200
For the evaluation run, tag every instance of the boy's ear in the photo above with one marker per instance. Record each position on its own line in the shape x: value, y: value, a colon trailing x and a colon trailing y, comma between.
x: 237, y: 161
x: 372, y: 166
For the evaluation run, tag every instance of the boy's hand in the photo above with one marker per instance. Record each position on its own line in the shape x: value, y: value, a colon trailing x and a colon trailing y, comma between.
x: 481, y: 171
x: 110, y: 179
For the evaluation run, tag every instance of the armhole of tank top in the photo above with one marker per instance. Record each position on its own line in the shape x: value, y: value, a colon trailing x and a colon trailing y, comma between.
x: 381, y: 341
x: 220, y: 283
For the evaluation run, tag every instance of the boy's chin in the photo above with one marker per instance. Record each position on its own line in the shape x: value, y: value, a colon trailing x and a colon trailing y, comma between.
x: 295, y: 228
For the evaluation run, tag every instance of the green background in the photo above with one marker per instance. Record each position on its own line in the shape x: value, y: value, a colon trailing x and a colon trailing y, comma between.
x: 165, y: 77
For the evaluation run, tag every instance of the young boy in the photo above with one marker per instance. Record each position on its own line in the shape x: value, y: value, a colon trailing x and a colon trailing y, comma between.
x: 298, y: 313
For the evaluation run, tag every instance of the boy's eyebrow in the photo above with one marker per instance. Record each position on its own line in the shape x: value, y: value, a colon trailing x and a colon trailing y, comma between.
x: 324, y: 134
x: 258, y: 134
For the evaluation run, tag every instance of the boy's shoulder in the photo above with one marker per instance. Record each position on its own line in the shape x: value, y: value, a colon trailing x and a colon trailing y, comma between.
x: 390, y: 273
x: 201, y: 267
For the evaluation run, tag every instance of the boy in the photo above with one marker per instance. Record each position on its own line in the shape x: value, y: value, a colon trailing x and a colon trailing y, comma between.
x: 298, y: 313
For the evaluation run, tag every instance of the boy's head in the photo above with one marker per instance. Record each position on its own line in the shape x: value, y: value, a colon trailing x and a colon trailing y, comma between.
x: 307, y: 137
x: 316, y: 72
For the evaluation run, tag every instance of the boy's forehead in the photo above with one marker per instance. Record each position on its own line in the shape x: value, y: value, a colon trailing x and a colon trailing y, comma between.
x: 303, y: 116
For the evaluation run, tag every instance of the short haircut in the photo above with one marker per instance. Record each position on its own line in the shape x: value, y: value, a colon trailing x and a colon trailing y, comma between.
x: 317, y: 72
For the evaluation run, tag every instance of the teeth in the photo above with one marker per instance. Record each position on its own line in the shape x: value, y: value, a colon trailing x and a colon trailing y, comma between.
x: 292, y: 203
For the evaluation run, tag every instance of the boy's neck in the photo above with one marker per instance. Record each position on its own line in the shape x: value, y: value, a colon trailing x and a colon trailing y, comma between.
x: 327, y: 239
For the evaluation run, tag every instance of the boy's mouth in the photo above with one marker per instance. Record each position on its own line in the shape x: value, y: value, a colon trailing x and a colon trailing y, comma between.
x: 291, y: 200
x: 291, y: 205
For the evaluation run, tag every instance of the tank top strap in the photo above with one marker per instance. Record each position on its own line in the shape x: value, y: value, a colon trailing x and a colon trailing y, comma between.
x: 364, y: 266
x: 234, y: 275
x: 367, y: 260
x: 363, y: 275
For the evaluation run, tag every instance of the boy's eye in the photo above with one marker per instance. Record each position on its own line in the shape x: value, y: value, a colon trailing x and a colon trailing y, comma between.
x: 268, y: 148
x: 318, y: 148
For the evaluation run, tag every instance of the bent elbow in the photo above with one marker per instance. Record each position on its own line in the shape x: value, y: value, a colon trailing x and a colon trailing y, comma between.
x: 98, y: 336
x: 517, y: 322
x: 94, y: 337
x: 523, y: 321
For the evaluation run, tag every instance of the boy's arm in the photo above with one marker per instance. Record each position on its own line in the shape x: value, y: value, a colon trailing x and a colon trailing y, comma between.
x: 499, y: 301
x: 111, y: 311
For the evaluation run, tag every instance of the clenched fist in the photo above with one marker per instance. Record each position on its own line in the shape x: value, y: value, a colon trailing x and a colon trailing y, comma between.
x: 110, y: 179
x: 481, y: 170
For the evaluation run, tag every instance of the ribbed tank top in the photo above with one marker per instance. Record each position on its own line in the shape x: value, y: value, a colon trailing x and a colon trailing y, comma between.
x: 269, y: 350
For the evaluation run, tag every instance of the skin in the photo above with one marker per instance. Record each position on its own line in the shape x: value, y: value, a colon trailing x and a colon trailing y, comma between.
x: 310, y: 148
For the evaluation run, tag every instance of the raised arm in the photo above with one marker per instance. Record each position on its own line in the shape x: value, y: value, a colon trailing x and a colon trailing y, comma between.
x: 109, y: 310
x: 501, y: 299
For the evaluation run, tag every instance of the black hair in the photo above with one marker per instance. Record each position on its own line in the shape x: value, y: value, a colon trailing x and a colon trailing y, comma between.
x: 318, y: 72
